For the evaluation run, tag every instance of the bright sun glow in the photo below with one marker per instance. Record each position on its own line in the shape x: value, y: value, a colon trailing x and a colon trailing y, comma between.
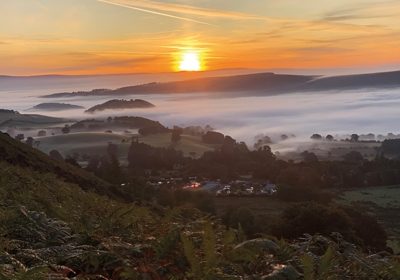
x: 190, y: 61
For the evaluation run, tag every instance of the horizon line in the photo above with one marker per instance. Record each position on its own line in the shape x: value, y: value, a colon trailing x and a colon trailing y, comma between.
x: 255, y: 70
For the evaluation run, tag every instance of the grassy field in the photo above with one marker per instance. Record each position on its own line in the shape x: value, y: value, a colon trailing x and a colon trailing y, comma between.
x: 26, y: 120
x: 95, y: 143
x: 89, y: 143
x: 384, y: 202
x: 188, y: 144
x: 385, y: 197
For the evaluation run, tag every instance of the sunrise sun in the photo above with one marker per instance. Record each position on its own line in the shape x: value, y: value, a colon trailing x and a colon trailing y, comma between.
x: 190, y: 61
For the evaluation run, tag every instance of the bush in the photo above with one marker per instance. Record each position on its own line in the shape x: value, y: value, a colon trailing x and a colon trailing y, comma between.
x: 314, y: 218
x: 240, y: 217
x: 300, y: 194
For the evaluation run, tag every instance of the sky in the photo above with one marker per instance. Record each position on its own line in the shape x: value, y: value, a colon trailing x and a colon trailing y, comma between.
x: 143, y: 36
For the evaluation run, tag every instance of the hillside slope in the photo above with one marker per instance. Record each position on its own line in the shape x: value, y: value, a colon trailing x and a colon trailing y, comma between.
x: 19, y: 154
x: 9, y: 118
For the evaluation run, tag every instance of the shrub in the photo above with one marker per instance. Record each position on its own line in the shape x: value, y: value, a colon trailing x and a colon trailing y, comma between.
x: 314, y: 218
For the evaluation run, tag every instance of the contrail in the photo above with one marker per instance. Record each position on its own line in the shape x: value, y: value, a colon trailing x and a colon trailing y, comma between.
x: 153, y: 12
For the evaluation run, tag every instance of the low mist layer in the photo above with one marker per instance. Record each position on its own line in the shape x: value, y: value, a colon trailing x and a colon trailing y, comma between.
x: 334, y: 112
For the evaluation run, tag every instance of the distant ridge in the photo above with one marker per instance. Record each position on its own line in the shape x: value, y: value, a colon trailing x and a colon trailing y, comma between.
x: 251, y: 82
x: 256, y: 84
x: 55, y: 107
x: 373, y: 80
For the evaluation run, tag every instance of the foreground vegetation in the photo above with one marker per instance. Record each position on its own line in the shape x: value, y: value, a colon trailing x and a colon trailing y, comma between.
x: 52, y: 224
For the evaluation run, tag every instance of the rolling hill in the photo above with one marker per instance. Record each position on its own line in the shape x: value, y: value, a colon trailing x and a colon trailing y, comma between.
x: 55, y: 107
x: 117, y: 104
x: 95, y: 143
x: 10, y: 118
x: 19, y: 154
x: 259, y: 84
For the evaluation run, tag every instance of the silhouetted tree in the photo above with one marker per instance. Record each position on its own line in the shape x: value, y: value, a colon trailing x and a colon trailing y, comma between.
x: 42, y: 133
x: 54, y: 154
x: 284, y: 137
x: 20, y: 137
x: 316, y: 137
x: 93, y: 164
x: 30, y: 141
x: 66, y: 129
x: 212, y: 137
x: 264, y: 140
x: 112, y: 150
x: 240, y: 217
x: 354, y: 138
x: 309, y: 157
x: 72, y: 161
x: 353, y: 157
x: 176, y: 135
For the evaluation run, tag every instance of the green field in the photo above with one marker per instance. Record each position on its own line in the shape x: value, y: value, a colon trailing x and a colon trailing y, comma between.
x: 95, y: 143
x: 385, y: 197
x: 188, y: 144
x: 383, y: 202
x: 27, y: 120
x: 88, y: 142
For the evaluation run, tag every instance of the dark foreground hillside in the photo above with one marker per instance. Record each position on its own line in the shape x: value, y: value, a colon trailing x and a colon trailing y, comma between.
x: 54, y: 225
x: 18, y: 154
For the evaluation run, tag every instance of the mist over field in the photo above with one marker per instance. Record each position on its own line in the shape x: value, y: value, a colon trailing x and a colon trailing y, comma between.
x: 333, y: 112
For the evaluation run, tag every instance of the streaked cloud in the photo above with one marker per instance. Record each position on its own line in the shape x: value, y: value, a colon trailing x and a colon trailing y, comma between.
x: 133, y: 7
x: 75, y: 36
x: 165, y: 9
x: 359, y: 11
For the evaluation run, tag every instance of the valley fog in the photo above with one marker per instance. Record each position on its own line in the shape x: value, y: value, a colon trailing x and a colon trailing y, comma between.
x: 334, y: 112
